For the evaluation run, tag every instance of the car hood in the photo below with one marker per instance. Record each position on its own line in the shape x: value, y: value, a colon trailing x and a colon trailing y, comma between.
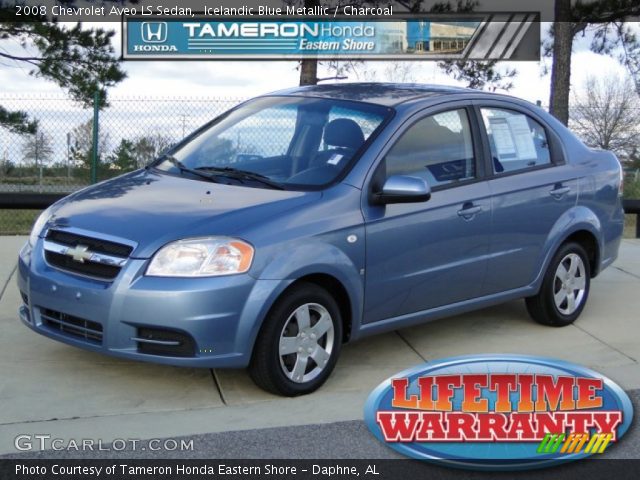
x: 152, y: 209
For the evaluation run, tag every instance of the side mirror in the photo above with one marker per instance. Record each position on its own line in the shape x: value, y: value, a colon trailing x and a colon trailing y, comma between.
x: 403, y: 189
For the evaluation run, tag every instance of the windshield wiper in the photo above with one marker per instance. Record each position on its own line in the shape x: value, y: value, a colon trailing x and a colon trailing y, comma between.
x: 242, y: 174
x: 183, y: 168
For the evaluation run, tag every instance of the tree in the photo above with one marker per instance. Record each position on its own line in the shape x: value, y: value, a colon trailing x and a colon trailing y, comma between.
x: 606, y: 114
x: 605, y: 21
x: 124, y: 157
x: 340, y: 69
x: 561, y: 66
x: 149, y: 147
x: 396, y: 71
x: 82, y: 144
x: 403, y: 72
x: 6, y: 167
x: 308, y: 67
x: 37, y: 148
x: 81, y: 61
x: 482, y: 75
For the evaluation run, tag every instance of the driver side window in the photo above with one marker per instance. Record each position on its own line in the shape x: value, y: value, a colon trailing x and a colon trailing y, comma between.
x: 438, y: 148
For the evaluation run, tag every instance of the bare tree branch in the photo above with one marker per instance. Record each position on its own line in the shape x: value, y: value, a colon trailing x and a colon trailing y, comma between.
x: 606, y: 114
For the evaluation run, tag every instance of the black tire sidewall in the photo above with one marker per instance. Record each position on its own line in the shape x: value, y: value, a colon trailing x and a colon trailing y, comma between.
x: 281, y: 311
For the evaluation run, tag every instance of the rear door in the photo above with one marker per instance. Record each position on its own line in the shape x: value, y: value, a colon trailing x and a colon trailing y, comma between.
x: 531, y: 188
x: 424, y: 255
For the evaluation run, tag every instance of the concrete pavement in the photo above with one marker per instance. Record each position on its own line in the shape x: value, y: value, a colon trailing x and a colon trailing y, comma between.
x: 51, y: 388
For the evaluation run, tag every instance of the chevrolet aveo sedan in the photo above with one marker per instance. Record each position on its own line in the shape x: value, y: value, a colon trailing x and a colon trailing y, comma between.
x: 311, y: 217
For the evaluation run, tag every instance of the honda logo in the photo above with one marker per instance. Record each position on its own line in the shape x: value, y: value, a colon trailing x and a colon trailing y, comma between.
x: 154, y: 32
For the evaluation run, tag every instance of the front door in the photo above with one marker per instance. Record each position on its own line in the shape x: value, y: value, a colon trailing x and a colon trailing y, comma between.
x: 424, y: 255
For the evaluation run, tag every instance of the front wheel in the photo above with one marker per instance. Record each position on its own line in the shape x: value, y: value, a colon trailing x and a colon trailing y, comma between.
x: 565, y: 288
x: 299, y: 343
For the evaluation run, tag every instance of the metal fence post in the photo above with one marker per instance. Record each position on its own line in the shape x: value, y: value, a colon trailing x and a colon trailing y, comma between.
x: 38, y: 165
x: 94, y: 150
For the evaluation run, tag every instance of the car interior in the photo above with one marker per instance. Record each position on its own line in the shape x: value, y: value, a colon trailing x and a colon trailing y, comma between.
x: 434, y: 152
x: 342, y: 137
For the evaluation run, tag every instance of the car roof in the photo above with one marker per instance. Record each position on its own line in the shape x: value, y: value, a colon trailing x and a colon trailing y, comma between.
x: 387, y: 94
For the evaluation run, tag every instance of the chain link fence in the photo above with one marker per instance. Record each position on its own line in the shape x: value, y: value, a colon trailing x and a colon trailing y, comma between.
x: 58, y: 157
x: 132, y: 132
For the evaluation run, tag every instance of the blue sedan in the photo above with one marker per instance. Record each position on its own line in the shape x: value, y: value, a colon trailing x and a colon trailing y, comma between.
x: 311, y: 217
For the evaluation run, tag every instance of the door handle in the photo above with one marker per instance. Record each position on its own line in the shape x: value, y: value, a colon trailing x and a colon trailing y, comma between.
x: 469, y: 212
x: 559, y: 191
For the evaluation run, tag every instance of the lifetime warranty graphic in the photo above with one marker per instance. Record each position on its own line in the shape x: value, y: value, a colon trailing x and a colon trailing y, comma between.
x: 499, y: 412
x: 512, y: 37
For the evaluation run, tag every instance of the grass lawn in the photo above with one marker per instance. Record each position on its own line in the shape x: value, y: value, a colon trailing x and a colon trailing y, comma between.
x: 630, y: 226
x: 17, y: 222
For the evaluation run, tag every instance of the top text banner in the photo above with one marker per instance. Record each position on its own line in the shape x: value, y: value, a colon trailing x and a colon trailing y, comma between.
x: 476, y: 37
x: 113, y: 11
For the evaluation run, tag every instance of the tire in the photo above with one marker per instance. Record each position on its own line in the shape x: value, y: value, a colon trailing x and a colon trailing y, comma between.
x: 309, y: 354
x: 565, y: 288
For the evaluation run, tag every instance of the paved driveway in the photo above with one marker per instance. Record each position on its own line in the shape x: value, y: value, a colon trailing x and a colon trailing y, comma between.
x: 51, y: 388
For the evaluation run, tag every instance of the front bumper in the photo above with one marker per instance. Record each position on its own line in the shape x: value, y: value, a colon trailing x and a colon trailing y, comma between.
x: 221, y: 315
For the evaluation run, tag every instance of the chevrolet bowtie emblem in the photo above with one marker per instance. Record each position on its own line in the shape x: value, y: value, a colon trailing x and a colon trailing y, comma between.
x: 79, y: 253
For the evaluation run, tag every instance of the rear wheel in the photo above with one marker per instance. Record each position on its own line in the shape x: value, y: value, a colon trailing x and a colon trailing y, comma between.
x: 299, y: 343
x: 565, y: 288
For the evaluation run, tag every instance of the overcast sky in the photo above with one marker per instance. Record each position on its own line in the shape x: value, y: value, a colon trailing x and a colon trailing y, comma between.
x: 249, y: 78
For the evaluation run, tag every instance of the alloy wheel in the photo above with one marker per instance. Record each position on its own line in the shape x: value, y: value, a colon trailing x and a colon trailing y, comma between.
x: 306, y: 342
x: 569, y: 284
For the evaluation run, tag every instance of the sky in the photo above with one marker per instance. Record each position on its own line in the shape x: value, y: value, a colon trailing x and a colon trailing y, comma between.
x: 242, y: 79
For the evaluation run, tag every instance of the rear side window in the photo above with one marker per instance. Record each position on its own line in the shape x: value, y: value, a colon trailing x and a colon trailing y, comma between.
x: 438, y: 148
x: 517, y: 141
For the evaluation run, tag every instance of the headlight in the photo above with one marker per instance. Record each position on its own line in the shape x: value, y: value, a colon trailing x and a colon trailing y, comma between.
x: 202, y: 257
x: 38, y: 226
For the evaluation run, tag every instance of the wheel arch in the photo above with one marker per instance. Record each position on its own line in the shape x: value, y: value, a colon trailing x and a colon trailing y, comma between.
x: 579, y: 224
x: 335, y: 287
x: 345, y: 286
x: 587, y: 240
x: 331, y: 284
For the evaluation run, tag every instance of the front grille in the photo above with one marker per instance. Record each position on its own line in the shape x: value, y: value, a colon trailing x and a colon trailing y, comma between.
x: 183, y: 344
x: 92, y: 269
x: 73, y: 326
x: 95, y: 244
x: 102, y: 271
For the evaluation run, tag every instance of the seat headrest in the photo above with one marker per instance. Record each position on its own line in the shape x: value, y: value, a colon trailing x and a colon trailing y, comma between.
x: 343, y: 132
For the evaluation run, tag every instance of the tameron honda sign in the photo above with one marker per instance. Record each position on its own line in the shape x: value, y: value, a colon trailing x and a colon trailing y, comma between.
x: 514, y: 37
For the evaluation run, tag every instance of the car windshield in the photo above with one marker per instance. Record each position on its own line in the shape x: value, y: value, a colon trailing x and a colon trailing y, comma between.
x: 279, y: 142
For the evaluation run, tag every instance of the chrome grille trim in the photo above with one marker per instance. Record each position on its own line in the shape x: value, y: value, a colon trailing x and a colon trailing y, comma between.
x: 168, y: 343
x: 101, y: 258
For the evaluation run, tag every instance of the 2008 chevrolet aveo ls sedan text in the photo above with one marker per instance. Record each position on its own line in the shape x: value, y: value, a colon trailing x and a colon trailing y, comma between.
x: 310, y: 217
